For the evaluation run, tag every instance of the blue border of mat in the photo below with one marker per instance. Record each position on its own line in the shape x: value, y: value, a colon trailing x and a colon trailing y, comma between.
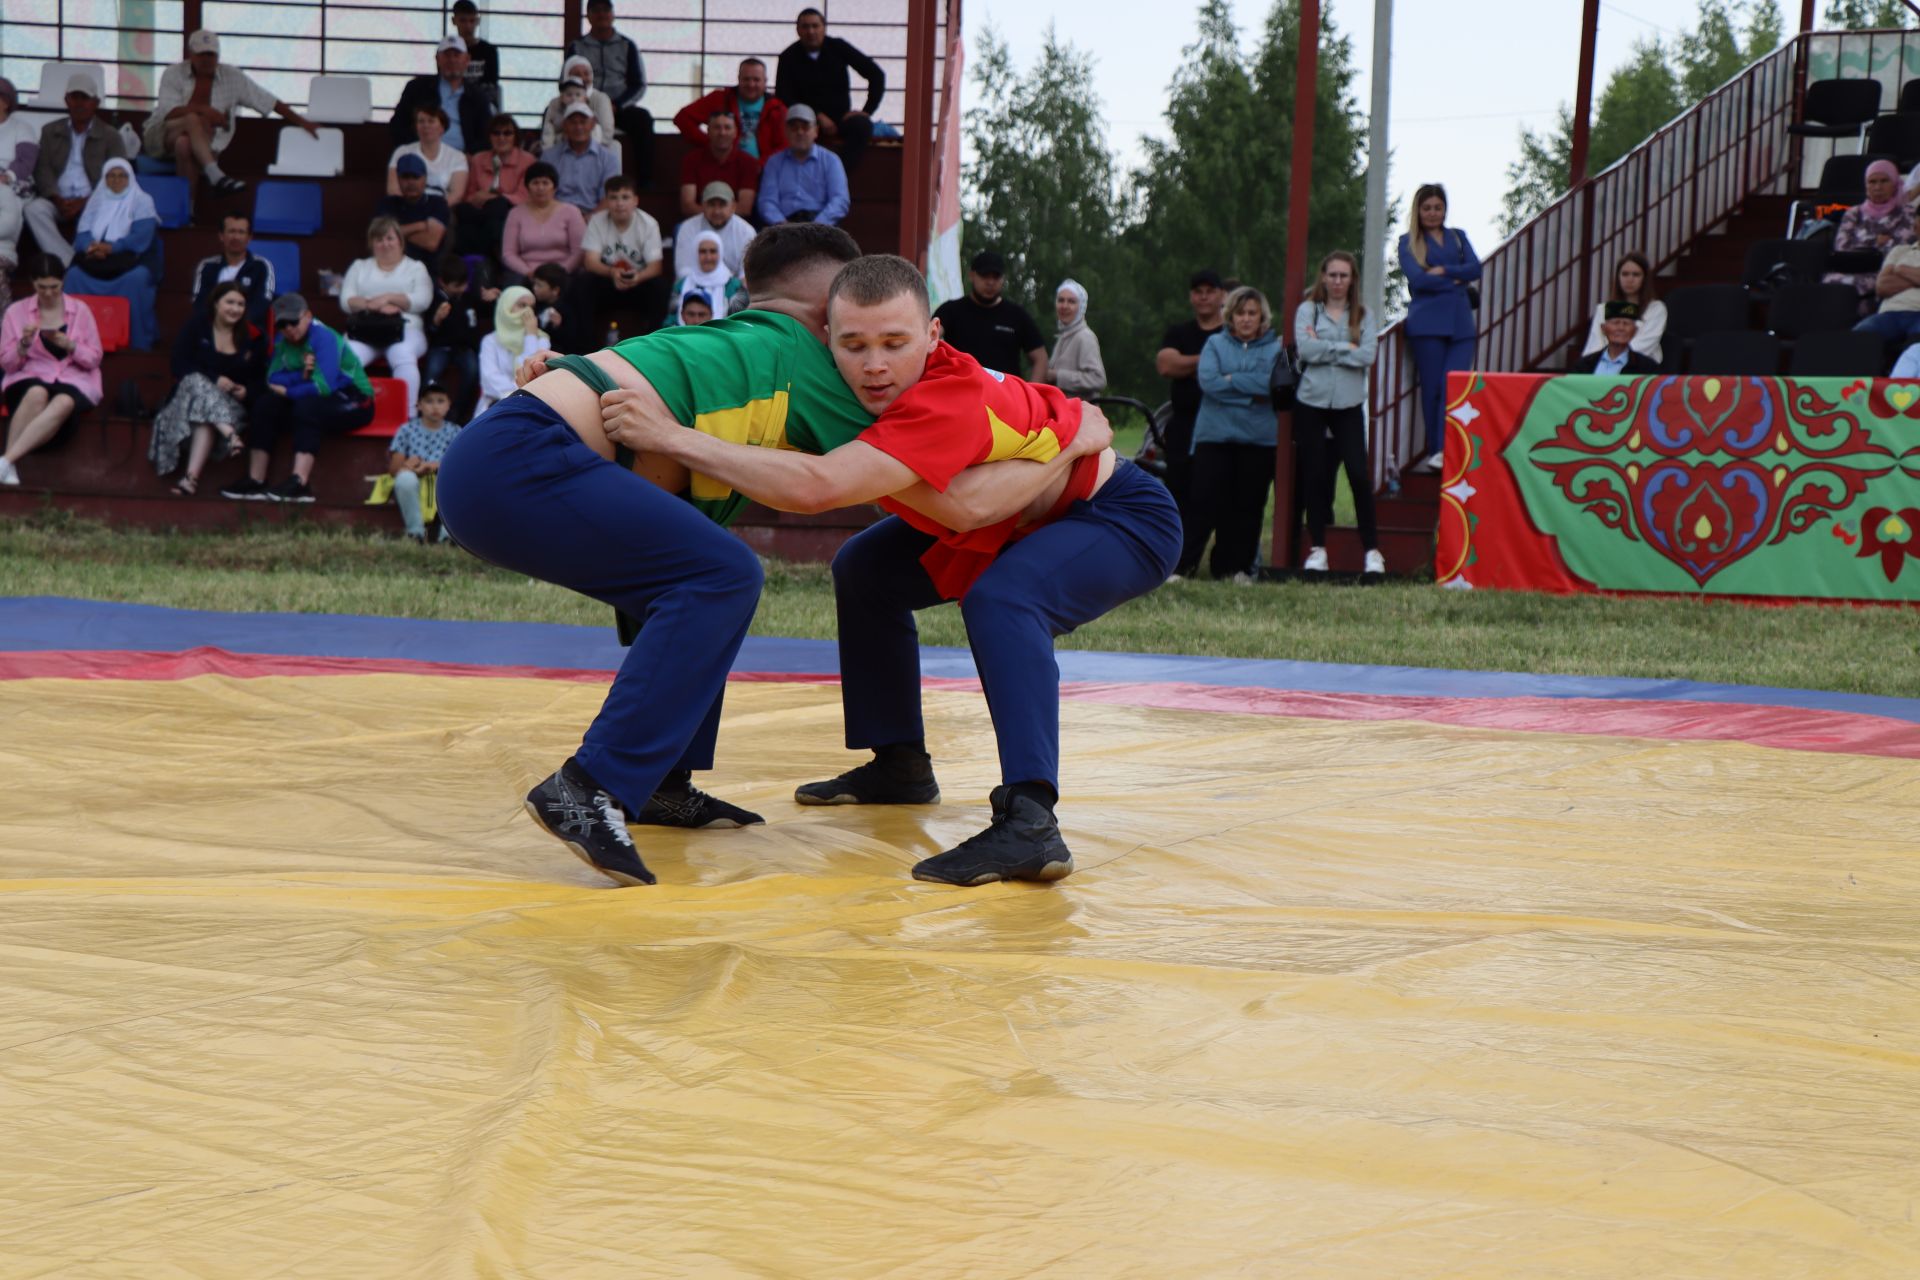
x: 53, y: 623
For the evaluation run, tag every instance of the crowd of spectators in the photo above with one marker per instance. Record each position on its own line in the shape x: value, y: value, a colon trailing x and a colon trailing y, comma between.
x: 496, y: 237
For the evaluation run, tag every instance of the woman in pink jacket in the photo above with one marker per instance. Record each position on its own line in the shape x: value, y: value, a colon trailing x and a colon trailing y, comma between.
x: 50, y: 353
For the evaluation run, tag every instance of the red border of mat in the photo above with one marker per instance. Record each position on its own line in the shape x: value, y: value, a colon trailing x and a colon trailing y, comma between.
x: 1784, y: 728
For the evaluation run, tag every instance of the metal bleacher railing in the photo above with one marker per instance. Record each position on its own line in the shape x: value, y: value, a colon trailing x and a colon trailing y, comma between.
x: 1542, y: 282
x: 690, y: 46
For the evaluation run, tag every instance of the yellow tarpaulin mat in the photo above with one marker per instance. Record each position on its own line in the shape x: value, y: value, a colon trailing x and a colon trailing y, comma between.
x: 291, y: 987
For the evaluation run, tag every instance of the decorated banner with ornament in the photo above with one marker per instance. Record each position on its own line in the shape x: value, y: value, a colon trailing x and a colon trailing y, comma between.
x: 1782, y: 487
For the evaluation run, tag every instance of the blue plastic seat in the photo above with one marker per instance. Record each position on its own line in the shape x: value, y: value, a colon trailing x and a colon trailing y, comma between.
x: 287, y: 208
x: 285, y: 257
x: 144, y: 164
x: 172, y: 199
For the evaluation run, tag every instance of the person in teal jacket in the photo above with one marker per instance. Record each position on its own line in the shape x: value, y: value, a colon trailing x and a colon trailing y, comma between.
x: 316, y: 387
x: 1234, y: 438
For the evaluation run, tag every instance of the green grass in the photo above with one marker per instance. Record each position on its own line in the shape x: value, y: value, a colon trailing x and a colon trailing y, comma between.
x: 300, y: 569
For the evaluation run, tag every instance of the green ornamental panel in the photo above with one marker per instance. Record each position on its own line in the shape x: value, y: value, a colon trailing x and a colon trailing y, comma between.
x: 1727, y: 486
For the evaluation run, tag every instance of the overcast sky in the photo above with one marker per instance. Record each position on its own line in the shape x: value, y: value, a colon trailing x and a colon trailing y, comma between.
x: 1462, y: 86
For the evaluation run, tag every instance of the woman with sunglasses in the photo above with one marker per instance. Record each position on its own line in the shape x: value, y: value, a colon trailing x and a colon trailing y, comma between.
x: 496, y: 185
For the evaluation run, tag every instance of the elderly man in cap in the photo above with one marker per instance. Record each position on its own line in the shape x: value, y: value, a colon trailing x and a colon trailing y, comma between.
x: 466, y: 102
x: 193, y: 114
x: 316, y: 387
x: 806, y: 182
x: 989, y: 328
x: 583, y: 164
x: 72, y: 154
x: 1618, y: 359
x: 716, y: 215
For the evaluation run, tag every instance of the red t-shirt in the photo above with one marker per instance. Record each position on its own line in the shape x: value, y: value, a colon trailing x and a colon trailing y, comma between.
x: 739, y: 170
x: 959, y: 415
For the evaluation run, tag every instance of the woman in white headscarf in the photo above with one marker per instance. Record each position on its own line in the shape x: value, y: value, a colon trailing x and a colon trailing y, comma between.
x: 116, y: 249
x: 1075, y: 366
x: 516, y: 338
x: 712, y: 278
x: 577, y: 68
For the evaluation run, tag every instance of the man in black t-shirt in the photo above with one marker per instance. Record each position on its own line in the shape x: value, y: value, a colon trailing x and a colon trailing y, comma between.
x: 988, y: 327
x: 1178, y: 361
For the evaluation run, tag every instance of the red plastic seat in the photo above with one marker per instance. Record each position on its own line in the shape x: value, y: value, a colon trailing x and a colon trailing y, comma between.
x: 112, y: 316
x: 390, y: 408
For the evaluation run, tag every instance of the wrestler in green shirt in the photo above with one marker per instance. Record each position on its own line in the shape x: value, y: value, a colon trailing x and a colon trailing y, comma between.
x: 755, y: 378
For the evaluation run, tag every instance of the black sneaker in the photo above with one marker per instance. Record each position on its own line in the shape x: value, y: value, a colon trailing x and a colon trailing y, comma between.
x: 230, y: 185
x: 876, y: 782
x: 1022, y: 843
x: 292, y: 489
x: 245, y: 490
x: 572, y: 808
x: 678, y: 803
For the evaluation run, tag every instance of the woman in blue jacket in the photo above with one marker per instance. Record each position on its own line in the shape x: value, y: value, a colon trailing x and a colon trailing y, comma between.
x: 116, y: 252
x: 1234, y: 437
x: 1439, y: 264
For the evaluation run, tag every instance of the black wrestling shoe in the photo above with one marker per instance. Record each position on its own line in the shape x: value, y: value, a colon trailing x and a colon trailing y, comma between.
x: 1022, y: 843
x: 573, y: 809
x: 906, y: 779
x: 678, y: 803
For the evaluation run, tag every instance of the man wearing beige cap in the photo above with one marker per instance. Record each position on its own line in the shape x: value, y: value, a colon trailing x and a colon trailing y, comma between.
x: 73, y: 151
x: 193, y: 114
x: 583, y: 164
x: 716, y: 215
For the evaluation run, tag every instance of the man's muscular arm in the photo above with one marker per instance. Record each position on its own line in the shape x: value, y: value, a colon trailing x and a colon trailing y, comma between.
x: 849, y: 475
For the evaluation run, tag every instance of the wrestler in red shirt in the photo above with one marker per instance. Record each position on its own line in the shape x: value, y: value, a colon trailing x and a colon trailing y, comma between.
x: 1055, y: 549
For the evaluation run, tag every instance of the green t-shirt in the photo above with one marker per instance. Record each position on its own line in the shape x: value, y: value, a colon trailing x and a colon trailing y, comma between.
x: 757, y: 378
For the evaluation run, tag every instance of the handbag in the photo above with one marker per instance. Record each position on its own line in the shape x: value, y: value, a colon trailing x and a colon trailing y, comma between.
x: 1473, y: 297
x: 376, y: 329
x: 1284, y: 382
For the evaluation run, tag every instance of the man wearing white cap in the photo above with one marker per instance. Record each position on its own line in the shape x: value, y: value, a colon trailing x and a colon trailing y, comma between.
x: 806, y: 182
x: 73, y: 152
x: 583, y: 164
x: 193, y: 114
x: 466, y: 102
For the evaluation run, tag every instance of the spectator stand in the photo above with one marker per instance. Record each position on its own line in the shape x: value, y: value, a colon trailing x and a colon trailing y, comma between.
x: 1696, y: 197
x: 102, y: 472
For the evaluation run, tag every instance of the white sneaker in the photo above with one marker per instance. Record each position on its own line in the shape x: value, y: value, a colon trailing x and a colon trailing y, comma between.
x: 8, y: 475
x: 1376, y: 563
x: 1174, y: 577
x: 1437, y: 462
x: 1316, y: 561
x: 1242, y: 579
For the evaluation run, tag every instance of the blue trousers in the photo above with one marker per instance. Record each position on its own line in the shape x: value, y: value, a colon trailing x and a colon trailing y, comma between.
x: 519, y: 488
x: 1433, y: 360
x: 1119, y: 544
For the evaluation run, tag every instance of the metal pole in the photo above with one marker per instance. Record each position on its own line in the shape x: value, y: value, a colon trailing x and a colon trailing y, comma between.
x: 1299, y: 184
x: 1583, y: 97
x: 1373, y: 261
x: 916, y: 167
x: 1806, y: 15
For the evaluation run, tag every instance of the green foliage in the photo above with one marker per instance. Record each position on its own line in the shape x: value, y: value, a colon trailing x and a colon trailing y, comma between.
x: 1656, y: 84
x: 1867, y: 15
x: 1042, y: 188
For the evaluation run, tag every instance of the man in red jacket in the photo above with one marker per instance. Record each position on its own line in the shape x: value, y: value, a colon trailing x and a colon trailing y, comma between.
x: 761, y: 118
